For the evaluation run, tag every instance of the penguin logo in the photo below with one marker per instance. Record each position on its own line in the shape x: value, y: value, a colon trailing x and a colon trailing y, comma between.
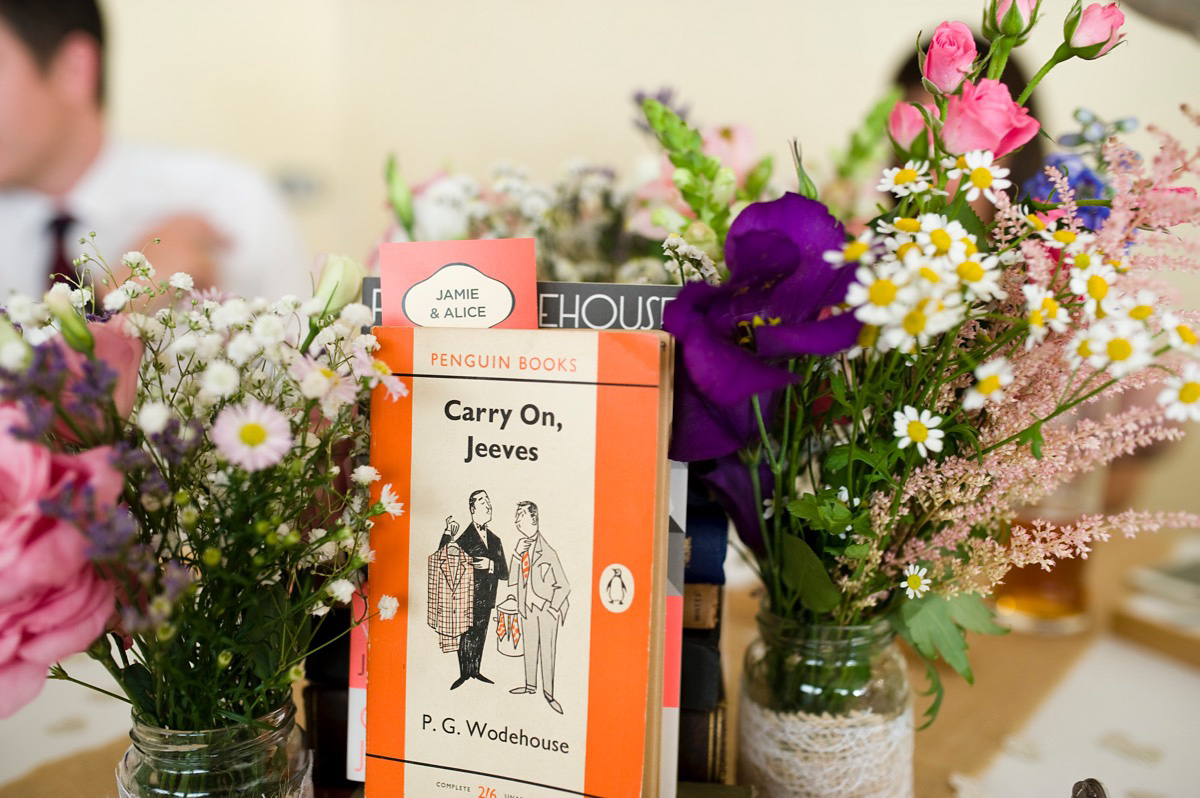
x: 616, y: 588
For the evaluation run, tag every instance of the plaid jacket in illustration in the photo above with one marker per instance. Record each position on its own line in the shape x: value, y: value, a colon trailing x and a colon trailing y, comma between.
x: 451, y: 594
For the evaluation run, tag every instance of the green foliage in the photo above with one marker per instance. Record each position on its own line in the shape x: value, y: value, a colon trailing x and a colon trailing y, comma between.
x: 705, y: 185
x: 804, y: 573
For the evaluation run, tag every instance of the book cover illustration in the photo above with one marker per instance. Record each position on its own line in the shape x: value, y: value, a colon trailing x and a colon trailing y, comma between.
x: 529, y: 564
x: 485, y: 283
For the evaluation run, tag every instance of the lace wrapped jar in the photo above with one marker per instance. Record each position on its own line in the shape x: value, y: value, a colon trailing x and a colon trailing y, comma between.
x: 825, y: 712
x: 263, y: 759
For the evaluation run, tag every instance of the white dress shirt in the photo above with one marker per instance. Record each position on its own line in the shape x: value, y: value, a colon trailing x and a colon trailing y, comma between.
x: 129, y: 188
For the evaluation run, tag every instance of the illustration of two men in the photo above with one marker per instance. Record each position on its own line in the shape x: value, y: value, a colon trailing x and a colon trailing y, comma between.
x: 460, y: 607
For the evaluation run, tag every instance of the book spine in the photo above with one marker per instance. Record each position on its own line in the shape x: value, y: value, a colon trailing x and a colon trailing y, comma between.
x: 702, y: 745
x: 701, y: 606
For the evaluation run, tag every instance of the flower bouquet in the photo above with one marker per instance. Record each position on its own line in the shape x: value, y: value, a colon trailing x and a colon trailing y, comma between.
x: 182, y: 505
x: 878, y: 407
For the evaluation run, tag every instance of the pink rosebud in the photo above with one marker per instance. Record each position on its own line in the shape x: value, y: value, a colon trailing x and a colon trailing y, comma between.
x: 1094, y: 31
x: 905, y: 123
x: 120, y: 351
x: 984, y: 117
x: 950, y: 56
x: 733, y: 146
x: 1014, y: 17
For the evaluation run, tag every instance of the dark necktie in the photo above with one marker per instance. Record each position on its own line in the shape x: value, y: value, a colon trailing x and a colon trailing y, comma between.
x: 61, y: 270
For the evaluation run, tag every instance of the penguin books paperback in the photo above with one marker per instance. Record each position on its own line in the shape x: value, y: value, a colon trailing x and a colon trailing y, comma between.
x: 526, y: 659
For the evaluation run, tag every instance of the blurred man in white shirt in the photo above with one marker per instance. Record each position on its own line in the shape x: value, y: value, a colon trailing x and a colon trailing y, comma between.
x: 62, y: 176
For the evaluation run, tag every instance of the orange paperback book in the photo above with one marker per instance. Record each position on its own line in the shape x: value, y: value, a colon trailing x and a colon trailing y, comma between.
x: 529, y: 564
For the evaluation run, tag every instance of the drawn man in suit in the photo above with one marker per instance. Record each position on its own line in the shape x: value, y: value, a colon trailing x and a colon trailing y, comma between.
x: 542, y: 591
x: 487, y: 558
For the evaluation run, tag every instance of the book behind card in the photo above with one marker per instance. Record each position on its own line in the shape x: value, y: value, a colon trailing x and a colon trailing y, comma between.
x: 529, y: 564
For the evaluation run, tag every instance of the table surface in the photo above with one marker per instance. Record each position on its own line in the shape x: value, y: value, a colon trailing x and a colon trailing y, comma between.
x: 1013, y: 675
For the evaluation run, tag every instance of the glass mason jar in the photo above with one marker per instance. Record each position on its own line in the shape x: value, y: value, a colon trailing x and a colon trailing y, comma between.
x: 266, y: 759
x: 825, y: 711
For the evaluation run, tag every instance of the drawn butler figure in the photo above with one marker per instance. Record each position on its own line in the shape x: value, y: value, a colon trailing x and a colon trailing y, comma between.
x: 541, y: 591
x: 486, y: 555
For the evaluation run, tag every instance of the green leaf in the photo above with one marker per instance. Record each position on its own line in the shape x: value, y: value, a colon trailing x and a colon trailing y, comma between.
x: 857, y: 551
x: 807, y: 508
x: 928, y: 626
x: 972, y: 613
x: 804, y: 573
x: 1033, y: 437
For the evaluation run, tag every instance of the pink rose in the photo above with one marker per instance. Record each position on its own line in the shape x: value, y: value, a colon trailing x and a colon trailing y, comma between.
x: 1014, y: 17
x: 984, y: 117
x: 1094, y: 31
x: 906, y: 122
x: 120, y: 351
x: 52, y: 602
x: 950, y: 56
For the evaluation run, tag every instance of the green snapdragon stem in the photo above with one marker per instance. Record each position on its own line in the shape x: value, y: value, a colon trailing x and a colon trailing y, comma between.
x: 1063, y: 53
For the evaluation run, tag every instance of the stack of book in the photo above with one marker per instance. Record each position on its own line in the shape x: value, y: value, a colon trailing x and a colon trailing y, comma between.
x: 702, y: 703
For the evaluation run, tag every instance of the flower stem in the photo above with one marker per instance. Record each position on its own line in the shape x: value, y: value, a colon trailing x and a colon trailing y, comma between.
x: 1063, y: 53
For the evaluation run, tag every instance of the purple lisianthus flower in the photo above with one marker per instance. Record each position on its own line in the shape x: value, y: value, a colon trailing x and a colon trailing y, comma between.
x: 733, y: 489
x: 775, y: 306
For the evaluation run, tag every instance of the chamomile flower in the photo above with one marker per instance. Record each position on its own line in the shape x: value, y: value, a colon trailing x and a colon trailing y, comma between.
x: 1081, y: 348
x: 902, y: 248
x: 1138, y: 306
x: 902, y: 181
x: 942, y: 239
x: 879, y: 297
x: 980, y: 278
x: 905, y: 225
x: 1120, y: 347
x: 915, y: 583
x: 252, y: 435
x: 1095, y: 285
x: 1064, y: 238
x: 858, y: 250
x: 918, y: 427
x: 926, y: 318
x: 1181, y: 395
x: 1045, y: 314
x: 981, y: 175
x: 990, y: 381
x: 1181, y: 335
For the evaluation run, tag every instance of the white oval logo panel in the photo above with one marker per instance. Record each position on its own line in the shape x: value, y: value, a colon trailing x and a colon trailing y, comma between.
x: 458, y: 295
x: 616, y: 588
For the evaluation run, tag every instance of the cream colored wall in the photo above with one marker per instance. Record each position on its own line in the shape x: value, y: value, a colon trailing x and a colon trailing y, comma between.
x: 325, y: 89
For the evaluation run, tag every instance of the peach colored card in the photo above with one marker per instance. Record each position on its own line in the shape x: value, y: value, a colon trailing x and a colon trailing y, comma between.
x: 484, y: 283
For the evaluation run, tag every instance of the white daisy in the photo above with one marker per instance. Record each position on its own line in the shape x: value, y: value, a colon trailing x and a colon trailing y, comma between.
x: 1180, y: 333
x: 1095, y: 285
x: 1045, y: 314
x: 252, y: 435
x: 856, y: 251
x: 927, y: 318
x: 879, y: 298
x: 944, y: 240
x: 1181, y: 395
x: 1066, y: 239
x: 1120, y: 347
x: 912, y: 178
x: 915, y: 583
x: 990, y: 380
x: 901, y: 224
x: 1081, y: 348
x: 981, y: 175
x: 980, y: 278
x: 920, y: 428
